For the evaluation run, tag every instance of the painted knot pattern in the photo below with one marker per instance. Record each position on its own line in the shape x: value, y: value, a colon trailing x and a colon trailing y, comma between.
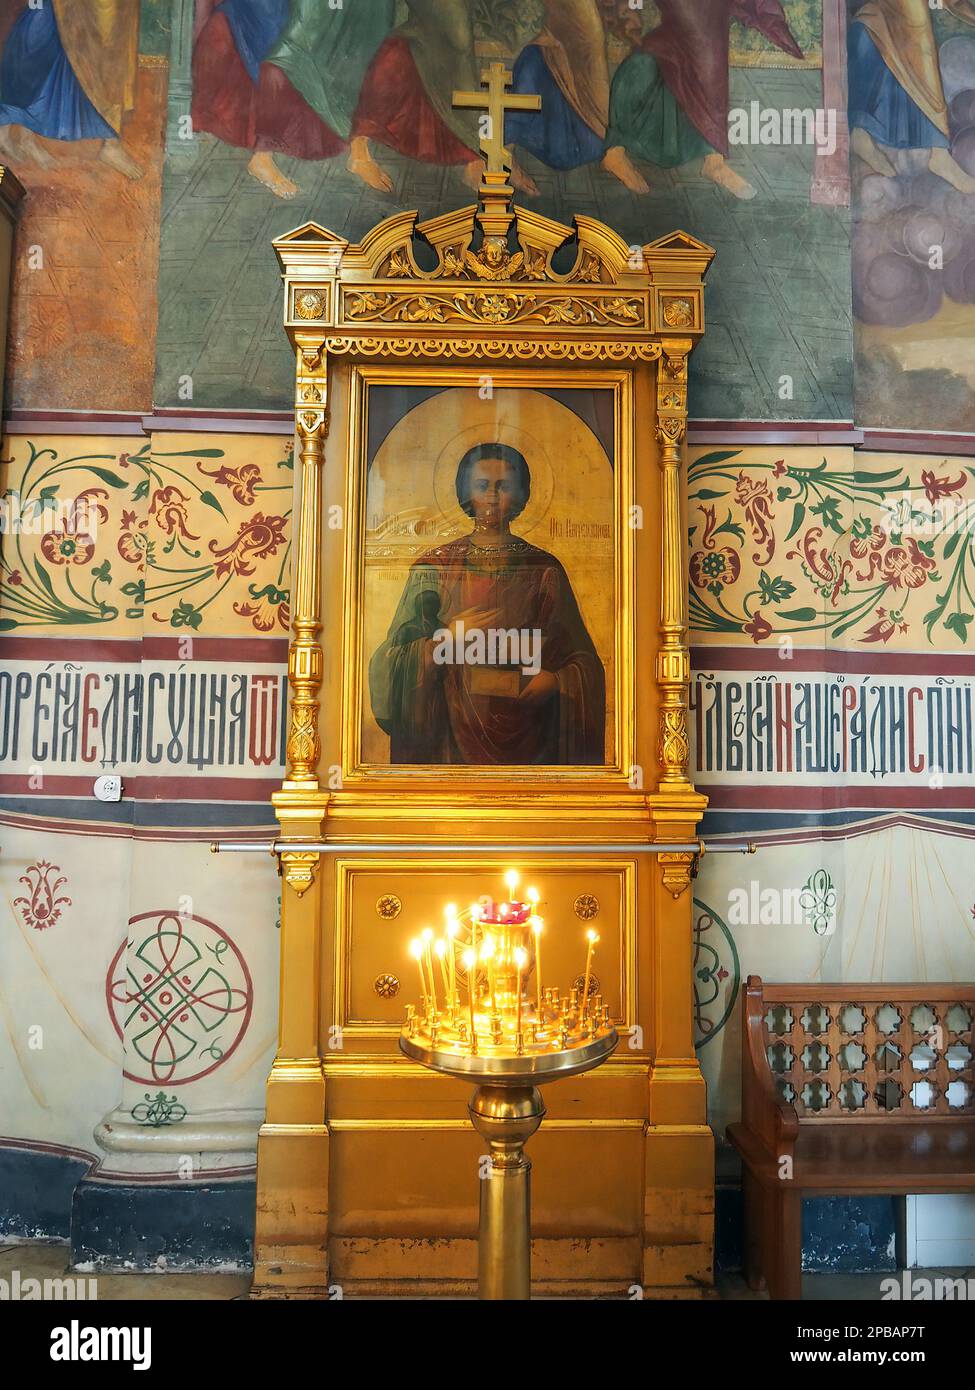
x: 180, y: 996
x: 158, y: 1110
x: 717, y: 973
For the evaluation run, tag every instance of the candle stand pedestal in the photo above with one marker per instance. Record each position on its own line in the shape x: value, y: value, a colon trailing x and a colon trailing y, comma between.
x: 506, y: 1110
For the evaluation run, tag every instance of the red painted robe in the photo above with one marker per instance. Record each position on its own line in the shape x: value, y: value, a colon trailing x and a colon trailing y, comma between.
x: 435, y: 713
x: 692, y: 46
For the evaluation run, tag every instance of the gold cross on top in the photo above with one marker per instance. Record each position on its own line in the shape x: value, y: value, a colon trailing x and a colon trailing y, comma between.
x: 496, y: 101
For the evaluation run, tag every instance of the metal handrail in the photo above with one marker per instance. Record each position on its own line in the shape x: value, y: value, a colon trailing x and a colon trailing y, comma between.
x: 479, y: 847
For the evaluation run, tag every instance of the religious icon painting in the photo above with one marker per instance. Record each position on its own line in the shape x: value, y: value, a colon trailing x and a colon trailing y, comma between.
x: 489, y: 558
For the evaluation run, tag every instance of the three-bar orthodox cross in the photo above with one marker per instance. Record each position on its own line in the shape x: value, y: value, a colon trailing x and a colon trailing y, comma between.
x: 496, y: 192
x: 496, y: 101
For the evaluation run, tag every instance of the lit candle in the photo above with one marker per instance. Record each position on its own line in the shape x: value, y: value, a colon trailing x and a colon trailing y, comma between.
x: 487, y: 956
x: 426, y: 936
x: 536, y: 926
x: 475, y: 912
x: 440, y: 948
x: 470, y: 965
x: 521, y: 957
x: 452, y: 929
x: 592, y: 938
x: 416, y: 951
x: 511, y: 879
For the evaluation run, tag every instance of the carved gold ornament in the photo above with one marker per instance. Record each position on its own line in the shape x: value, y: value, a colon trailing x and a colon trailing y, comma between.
x: 309, y: 304
x: 508, y: 349
x: 388, y: 907
x: 678, y: 313
x: 494, y: 261
x: 676, y: 866
x: 399, y: 264
x: 586, y: 906
x: 299, y: 869
x: 386, y: 986
x: 495, y: 307
x: 579, y: 983
x: 674, y: 750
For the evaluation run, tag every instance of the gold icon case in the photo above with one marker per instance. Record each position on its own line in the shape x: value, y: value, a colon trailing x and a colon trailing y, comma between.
x: 367, y: 1162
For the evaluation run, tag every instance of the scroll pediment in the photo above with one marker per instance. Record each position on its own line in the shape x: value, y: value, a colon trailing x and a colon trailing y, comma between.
x: 389, y: 250
x: 491, y: 278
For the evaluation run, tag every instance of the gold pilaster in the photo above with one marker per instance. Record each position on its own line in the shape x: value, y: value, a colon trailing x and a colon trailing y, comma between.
x: 305, y: 662
x: 673, y: 659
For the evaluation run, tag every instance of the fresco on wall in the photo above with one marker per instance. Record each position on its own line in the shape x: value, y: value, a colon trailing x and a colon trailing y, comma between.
x: 82, y: 107
x: 281, y: 112
x: 173, y: 533
x: 860, y: 551
x: 839, y: 737
x: 912, y: 119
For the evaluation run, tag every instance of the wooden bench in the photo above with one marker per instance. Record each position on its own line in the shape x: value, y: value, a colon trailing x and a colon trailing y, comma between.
x: 851, y: 1090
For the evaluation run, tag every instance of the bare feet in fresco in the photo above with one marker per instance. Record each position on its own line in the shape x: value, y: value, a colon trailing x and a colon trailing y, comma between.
x: 116, y: 156
x: 361, y: 162
x: 263, y: 168
x: 717, y: 168
x: 522, y: 181
x: 21, y: 146
x: 947, y: 168
x: 617, y: 161
x: 519, y: 179
x: 863, y: 144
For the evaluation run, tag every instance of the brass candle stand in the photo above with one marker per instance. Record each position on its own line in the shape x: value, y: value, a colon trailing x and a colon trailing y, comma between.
x: 508, y: 1044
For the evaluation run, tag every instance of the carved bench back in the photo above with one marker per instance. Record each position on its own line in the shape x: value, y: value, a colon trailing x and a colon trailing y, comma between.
x: 840, y: 1052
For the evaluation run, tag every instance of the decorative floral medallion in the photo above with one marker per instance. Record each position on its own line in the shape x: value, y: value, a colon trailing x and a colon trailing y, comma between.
x: 386, y: 986
x: 180, y: 996
x: 678, y: 313
x: 388, y: 907
x: 309, y: 304
x: 586, y: 906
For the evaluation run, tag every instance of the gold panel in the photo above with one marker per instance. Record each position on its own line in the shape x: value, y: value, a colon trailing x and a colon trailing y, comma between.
x: 366, y: 947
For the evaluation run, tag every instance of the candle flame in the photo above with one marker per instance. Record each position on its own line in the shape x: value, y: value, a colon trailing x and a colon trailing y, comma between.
x: 592, y: 936
x: 533, y: 895
x: 470, y: 959
x: 416, y: 948
x: 426, y: 934
x: 536, y: 924
x: 521, y: 956
x: 440, y: 947
x: 511, y: 879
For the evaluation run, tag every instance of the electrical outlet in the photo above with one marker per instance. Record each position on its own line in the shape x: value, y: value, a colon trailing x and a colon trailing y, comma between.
x: 108, y: 788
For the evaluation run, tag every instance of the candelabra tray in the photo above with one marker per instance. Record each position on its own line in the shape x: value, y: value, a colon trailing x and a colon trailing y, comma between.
x: 499, y: 1065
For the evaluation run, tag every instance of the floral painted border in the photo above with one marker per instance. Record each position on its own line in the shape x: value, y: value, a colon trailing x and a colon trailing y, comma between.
x: 153, y: 536
x: 779, y: 548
